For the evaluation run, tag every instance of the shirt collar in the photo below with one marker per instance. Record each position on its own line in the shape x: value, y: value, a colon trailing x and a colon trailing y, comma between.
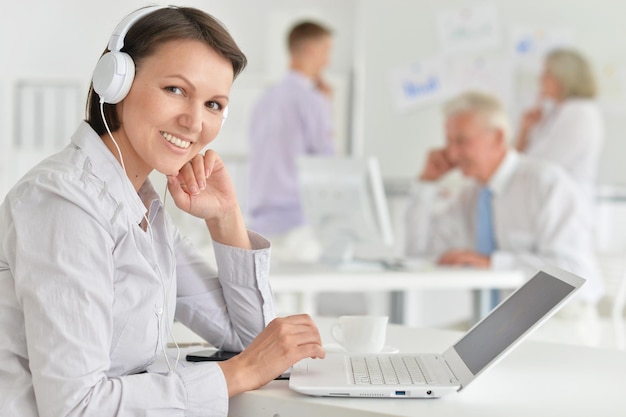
x: 300, y: 78
x: 504, y: 172
x: 150, y: 199
x: 104, y: 165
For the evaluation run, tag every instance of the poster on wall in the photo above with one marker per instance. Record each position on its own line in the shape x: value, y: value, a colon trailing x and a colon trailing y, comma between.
x: 489, y: 74
x: 418, y: 83
x: 531, y: 44
x: 469, y: 29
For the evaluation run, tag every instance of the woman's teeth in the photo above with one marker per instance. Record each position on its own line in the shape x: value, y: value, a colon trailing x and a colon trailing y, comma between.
x: 176, y: 141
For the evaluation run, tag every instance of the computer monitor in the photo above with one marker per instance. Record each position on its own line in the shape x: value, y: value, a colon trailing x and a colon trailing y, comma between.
x: 344, y: 202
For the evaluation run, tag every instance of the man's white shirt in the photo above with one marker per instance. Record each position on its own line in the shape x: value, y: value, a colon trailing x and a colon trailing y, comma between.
x: 538, y: 219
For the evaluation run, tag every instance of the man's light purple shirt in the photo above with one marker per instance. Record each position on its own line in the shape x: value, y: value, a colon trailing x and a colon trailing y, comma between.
x: 291, y: 119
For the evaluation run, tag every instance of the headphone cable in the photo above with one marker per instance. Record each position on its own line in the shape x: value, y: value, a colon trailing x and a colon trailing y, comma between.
x: 126, y: 180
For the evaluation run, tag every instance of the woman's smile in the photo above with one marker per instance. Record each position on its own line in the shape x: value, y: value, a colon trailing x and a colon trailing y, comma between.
x: 176, y: 141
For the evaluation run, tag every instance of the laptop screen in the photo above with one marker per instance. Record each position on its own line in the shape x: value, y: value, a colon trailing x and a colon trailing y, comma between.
x: 511, y: 319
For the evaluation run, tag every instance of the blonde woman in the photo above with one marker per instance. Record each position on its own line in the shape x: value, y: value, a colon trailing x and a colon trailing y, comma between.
x: 567, y: 128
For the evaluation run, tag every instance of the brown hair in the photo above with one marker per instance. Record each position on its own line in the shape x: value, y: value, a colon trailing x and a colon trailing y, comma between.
x: 305, y: 31
x: 157, y: 28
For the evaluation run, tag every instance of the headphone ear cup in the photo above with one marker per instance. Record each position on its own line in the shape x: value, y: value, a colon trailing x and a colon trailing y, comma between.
x: 113, y: 76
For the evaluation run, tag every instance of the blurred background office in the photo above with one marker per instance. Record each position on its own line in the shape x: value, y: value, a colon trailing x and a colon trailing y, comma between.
x: 392, y: 65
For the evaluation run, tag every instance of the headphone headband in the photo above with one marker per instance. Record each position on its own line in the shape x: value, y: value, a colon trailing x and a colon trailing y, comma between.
x: 116, y: 42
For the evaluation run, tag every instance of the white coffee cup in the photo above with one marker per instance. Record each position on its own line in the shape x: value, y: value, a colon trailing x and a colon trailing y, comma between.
x: 361, y: 334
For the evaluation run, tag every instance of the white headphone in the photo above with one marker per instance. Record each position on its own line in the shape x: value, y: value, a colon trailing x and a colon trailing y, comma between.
x: 115, y: 70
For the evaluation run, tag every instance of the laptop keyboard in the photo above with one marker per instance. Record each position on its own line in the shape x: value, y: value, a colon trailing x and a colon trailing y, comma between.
x: 389, y: 370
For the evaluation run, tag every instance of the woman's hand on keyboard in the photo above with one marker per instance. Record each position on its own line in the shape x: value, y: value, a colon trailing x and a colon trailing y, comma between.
x: 282, y: 343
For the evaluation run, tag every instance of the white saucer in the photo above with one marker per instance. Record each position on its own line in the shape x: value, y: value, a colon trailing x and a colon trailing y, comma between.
x: 334, y: 348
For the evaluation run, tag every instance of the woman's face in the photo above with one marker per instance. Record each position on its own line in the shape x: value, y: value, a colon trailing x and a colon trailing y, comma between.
x: 550, y: 87
x: 175, y: 106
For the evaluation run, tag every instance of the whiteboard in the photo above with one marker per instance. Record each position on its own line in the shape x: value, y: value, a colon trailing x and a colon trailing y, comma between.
x: 396, y: 33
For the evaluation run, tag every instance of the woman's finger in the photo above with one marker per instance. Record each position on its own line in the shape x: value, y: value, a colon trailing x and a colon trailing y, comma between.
x: 210, y: 159
x: 199, y: 172
x: 177, y: 191
x: 188, y: 177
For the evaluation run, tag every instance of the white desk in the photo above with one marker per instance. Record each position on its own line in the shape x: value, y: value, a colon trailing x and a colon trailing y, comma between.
x: 536, y: 379
x: 308, y: 280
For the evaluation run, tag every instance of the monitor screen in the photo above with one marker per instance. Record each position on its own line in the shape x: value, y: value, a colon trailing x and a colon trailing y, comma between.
x: 344, y: 202
x: 510, y: 320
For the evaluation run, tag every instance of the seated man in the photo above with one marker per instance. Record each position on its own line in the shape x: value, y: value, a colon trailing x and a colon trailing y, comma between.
x: 513, y: 213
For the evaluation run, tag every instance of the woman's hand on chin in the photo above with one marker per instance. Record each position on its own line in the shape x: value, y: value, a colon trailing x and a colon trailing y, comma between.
x: 203, y: 187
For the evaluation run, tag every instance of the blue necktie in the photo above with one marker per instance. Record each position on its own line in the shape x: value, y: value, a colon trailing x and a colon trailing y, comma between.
x: 485, y: 238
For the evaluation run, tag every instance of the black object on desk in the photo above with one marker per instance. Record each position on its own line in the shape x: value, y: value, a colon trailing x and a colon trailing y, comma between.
x: 210, y: 355
x: 220, y: 355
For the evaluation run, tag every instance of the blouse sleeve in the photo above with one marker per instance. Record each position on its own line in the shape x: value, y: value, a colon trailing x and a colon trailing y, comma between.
x: 229, y: 306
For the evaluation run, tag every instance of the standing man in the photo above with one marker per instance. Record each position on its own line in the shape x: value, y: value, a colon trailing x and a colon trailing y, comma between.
x: 515, y: 213
x: 292, y: 119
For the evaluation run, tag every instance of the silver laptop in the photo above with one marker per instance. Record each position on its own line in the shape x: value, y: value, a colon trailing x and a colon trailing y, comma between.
x: 419, y: 375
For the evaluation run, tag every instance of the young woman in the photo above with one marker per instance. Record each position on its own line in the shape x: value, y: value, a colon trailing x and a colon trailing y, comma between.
x: 92, y: 270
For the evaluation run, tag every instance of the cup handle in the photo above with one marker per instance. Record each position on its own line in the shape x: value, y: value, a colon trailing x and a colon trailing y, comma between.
x: 336, y: 333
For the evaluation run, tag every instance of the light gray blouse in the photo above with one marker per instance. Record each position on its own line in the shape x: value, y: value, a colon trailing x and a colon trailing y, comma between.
x: 87, y: 296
